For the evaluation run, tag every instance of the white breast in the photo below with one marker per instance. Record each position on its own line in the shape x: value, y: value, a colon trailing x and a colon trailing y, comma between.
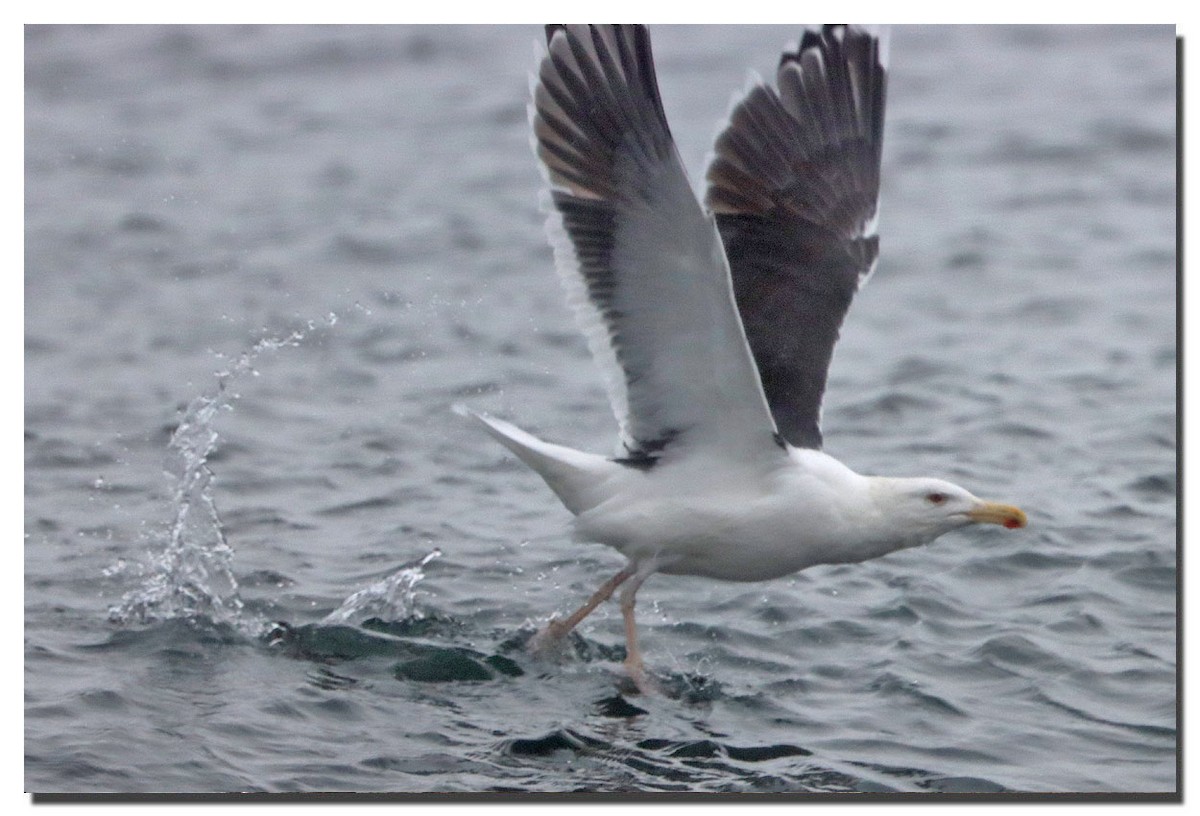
x: 754, y: 525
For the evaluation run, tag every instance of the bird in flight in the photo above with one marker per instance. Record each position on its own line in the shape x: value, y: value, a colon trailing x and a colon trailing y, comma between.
x: 713, y: 323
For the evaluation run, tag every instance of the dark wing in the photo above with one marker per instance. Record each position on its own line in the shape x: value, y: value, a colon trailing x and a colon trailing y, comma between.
x: 642, y: 261
x: 794, y: 185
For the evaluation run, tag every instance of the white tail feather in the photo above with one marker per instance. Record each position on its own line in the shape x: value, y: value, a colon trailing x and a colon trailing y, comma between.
x: 579, y: 479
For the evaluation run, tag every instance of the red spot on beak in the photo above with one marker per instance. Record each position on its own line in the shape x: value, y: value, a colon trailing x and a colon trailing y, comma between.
x: 1012, y: 524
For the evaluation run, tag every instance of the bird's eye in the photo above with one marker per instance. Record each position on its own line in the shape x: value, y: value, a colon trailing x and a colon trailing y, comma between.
x: 936, y: 498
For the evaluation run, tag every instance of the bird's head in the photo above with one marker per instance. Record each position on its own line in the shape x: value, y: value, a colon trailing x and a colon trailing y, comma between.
x: 930, y: 507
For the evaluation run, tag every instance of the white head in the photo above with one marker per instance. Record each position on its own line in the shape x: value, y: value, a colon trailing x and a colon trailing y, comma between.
x: 920, y: 510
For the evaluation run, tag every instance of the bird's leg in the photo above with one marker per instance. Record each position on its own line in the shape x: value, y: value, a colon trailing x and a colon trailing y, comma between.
x: 633, y: 655
x: 557, y: 629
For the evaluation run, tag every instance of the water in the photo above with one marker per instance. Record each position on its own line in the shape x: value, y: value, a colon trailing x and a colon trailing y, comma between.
x: 262, y: 554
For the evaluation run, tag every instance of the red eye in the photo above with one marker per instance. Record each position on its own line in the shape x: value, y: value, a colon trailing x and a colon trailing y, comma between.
x: 936, y: 498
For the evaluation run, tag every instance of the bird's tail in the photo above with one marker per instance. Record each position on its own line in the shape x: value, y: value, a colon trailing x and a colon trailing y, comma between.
x: 579, y: 479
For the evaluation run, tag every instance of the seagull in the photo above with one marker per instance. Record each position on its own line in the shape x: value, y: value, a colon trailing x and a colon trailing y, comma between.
x: 713, y: 323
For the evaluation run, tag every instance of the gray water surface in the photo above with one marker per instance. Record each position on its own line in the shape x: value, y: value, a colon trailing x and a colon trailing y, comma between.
x: 262, y: 554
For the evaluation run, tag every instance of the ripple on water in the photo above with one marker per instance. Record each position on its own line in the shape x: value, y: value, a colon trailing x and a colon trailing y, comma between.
x: 1156, y: 485
x: 669, y: 764
x: 1157, y: 578
x: 103, y: 700
x: 174, y: 635
x: 1019, y: 654
x: 891, y: 686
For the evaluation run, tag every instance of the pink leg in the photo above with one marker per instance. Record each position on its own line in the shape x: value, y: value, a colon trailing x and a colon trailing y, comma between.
x: 557, y: 629
x: 633, y: 655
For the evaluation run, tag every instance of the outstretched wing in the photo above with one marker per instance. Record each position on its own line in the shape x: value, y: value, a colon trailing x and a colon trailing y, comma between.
x: 643, y: 263
x: 794, y: 184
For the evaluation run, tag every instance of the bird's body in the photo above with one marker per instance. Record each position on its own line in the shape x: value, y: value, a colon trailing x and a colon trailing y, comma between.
x: 791, y: 516
x: 747, y: 521
x: 714, y: 325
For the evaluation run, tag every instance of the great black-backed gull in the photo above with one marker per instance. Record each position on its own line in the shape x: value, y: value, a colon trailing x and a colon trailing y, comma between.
x: 714, y: 324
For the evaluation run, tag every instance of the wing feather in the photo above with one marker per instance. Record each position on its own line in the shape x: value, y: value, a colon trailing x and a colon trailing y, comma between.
x: 794, y: 184
x: 642, y: 262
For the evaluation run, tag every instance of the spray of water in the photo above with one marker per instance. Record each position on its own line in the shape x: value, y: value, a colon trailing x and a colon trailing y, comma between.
x: 388, y: 599
x: 192, y: 575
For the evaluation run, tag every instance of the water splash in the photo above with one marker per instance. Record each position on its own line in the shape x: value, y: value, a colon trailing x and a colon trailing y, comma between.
x: 389, y: 599
x: 192, y: 576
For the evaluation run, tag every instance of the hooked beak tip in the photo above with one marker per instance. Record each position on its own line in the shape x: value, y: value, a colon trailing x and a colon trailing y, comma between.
x: 1005, y: 515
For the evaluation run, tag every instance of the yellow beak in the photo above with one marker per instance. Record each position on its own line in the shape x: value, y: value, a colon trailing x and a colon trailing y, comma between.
x: 1003, y: 514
